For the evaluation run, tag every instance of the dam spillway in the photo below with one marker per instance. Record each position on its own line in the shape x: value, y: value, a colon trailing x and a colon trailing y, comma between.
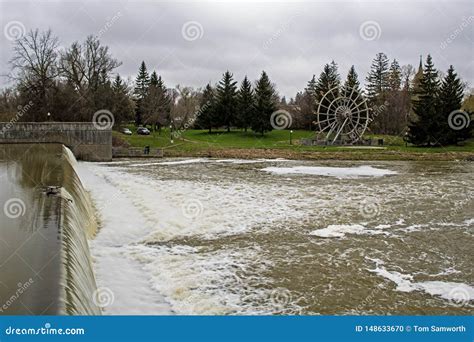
x: 46, y: 219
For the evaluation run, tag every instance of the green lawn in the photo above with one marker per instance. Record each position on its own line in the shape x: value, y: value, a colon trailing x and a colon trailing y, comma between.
x: 200, y: 140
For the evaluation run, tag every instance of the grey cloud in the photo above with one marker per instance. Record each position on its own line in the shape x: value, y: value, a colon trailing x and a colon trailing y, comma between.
x: 290, y: 40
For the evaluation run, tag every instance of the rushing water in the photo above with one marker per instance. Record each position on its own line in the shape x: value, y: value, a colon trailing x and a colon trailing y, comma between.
x: 45, y: 219
x: 201, y: 236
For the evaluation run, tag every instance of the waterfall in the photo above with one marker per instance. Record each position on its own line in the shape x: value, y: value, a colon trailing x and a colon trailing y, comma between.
x: 78, y: 223
x: 47, y: 243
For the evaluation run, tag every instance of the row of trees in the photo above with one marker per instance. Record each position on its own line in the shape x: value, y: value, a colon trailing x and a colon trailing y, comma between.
x: 227, y: 106
x: 73, y: 83
x: 387, y: 85
x: 435, y: 103
x: 70, y: 83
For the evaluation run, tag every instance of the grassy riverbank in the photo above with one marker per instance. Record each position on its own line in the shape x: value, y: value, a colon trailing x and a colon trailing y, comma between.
x: 276, y: 144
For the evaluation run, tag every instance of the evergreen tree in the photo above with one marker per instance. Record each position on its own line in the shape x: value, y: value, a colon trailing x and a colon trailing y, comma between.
x: 226, y: 100
x: 335, y: 73
x: 311, y: 87
x: 417, y: 79
x: 395, y: 76
x: 154, y: 79
x: 351, y: 86
x: 450, y: 99
x: 307, y: 103
x: 328, y: 79
x: 377, y: 87
x: 378, y: 79
x: 245, y: 104
x: 423, y: 129
x: 206, y: 115
x: 265, y: 104
x: 156, y: 105
x: 142, y: 83
x: 122, y: 106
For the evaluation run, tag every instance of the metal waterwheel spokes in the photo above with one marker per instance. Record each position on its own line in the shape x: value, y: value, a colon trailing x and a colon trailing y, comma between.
x: 343, y: 115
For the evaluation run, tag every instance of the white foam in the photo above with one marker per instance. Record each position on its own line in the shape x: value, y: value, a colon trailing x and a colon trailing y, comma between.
x: 338, y: 172
x: 137, y: 209
x: 113, y: 268
x: 469, y: 222
x: 452, y: 291
x: 248, y: 161
x: 340, y: 230
x: 208, y: 160
x: 174, y: 162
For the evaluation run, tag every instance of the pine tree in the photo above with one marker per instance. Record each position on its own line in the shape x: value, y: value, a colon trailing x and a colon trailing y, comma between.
x: 351, y: 86
x: 154, y: 79
x: 395, y: 76
x: 378, y: 79
x: 423, y: 129
x: 450, y: 99
x: 142, y: 83
x: 226, y: 100
x: 119, y: 85
x: 335, y: 73
x: 377, y: 87
x: 206, y: 115
x: 156, y: 105
x: 417, y: 78
x: 328, y: 79
x: 311, y: 87
x: 245, y: 104
x: 122, y: 105
x: 265, y: 104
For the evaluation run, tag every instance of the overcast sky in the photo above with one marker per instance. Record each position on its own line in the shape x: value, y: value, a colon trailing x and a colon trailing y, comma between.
x: 192, y: 43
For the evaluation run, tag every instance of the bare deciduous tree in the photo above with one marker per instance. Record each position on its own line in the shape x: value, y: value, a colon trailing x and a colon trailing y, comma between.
x: 88, y: 64
x: 35, y: 67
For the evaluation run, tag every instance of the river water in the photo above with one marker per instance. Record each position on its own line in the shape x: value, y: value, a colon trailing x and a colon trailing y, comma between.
x: 204, y: 236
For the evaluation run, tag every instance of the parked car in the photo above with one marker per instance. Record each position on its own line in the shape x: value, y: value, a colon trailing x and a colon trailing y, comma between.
x: 126, y: 131
x: 143, y: 131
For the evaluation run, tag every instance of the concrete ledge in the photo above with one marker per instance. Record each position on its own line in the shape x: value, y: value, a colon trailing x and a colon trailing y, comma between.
x: 125, y: 152
x: 83, y: 138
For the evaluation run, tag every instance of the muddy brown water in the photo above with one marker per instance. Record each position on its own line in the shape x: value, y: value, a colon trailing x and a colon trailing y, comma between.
x: 227, y: 237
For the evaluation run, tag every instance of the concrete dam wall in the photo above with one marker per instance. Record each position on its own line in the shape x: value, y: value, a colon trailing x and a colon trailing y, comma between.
x: 46, y: 221
x: 84, y: 139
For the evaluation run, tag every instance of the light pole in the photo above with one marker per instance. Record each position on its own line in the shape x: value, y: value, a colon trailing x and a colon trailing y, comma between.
x: 291, y: 133
x: 171, y: 134
x: 49, y: 116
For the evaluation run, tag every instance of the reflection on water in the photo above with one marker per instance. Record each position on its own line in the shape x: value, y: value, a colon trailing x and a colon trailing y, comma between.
x: 246, y: 237
x: 44, y: 258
